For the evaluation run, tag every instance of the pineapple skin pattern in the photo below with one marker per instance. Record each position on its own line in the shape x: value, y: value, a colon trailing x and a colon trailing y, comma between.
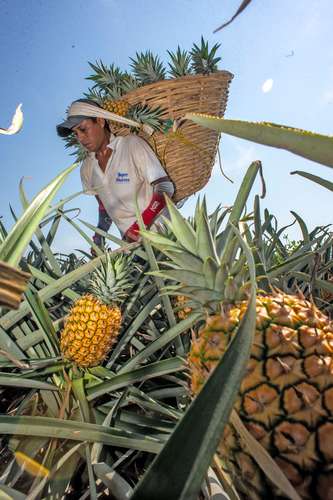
x: 90, y: 331
x: 286, y: 396
x: 119, y: 107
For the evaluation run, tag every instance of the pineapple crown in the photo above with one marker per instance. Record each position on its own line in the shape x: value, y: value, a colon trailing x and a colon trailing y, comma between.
x: 147, y: 68
x: 180, y: 64
x: 108, y: 78
x: 203, y: 59
x: 111, y: 281
x: 202, y: 264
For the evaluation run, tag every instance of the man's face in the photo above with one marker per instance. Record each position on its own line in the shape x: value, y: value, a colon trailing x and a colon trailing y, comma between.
x: 91, y: 134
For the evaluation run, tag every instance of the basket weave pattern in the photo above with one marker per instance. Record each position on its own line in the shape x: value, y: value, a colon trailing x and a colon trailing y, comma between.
x: 188, y: 162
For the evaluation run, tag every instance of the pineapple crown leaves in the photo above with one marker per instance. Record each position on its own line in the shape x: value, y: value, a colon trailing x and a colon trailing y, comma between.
x: 129, y: 83
x: 193, y: 261
x: 114, y: 93
x: 203, y: 59
x: 180, y: 64
x: 110, y: 282
x: 148, y: 116
x: 147, y: 68
x: 79, y: 152
x: 95, y: 95
x: 108, y: 79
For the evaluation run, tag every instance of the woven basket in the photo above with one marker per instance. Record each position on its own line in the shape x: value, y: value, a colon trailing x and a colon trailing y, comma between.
x: 189, y: 159
x: 13, y: 283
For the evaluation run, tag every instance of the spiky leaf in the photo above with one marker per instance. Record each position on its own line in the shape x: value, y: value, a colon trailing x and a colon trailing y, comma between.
x: 147, y: 68
x: 180, y: 64
x: 204, y: 60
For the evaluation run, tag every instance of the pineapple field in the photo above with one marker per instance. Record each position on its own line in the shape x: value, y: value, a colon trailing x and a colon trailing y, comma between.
x: 200, y: 357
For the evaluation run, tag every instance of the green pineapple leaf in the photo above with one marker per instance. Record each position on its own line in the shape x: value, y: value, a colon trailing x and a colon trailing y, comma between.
x: 146, y: 115
x: 147, y: 68
x: 110, y: 282
x: 106, y: 79
x: 95, y: 95
x: 14, y: 245
x: 79, y: 152
x: 187, y: 459
x: 310, y: 145
x: 315, y: 178
x: 180, y: 64
x: 129, y: 83
x: 204, y: 60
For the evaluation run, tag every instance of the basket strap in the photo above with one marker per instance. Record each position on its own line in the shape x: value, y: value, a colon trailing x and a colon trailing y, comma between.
x: 85, y: 109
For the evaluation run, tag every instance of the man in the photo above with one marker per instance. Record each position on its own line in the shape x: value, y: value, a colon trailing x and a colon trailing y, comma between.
x: 119, y: 171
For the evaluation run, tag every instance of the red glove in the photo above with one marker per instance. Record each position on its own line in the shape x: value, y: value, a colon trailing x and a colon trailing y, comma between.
x: 155, y: 206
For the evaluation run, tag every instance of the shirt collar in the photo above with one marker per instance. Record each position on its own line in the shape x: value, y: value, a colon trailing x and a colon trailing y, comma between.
x: 112, y: 145
x: 113, y: 142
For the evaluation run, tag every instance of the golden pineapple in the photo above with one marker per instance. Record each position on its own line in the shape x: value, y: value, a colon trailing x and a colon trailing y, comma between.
x: 286, y: 397
x: 94, y: 321
x: 118, y: 107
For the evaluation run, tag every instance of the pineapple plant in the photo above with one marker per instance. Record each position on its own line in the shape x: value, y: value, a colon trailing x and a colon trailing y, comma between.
x: 204, y: 61
x: 95, y: 318
x: 285, y: 398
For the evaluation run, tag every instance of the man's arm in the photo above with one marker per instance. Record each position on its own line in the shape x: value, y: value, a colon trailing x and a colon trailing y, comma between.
x: 161, y: 186
x: 104, y: 223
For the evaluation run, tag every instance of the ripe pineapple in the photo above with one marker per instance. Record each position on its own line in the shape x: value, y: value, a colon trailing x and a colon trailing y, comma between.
x: 119, y: 107
x: 95, y: 318
x: 286, y: 397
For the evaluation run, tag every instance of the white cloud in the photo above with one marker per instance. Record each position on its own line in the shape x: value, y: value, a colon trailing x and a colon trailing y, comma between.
x: 267, y: 85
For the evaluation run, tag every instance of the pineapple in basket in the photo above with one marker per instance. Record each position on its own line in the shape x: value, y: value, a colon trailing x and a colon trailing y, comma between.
x: 116, y: 106
x: 94, y: 321
x: 286, y: 396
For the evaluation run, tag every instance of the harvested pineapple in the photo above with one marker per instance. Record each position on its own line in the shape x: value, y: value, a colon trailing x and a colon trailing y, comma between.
x: 118, y: 107
x: 95, y: 319
x: 286, y: 396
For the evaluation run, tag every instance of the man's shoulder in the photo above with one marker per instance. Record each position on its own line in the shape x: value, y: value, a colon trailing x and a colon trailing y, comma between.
x: 132, y: 140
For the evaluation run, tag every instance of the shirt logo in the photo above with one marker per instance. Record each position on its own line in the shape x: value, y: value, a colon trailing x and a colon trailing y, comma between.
x: 122, y: 177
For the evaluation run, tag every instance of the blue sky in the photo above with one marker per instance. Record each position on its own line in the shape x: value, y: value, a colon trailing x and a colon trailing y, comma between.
x: 45, y: 47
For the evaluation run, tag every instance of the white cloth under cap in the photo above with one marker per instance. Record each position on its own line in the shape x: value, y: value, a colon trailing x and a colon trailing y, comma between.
x: 129, y: 174
x: 85, y: 109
